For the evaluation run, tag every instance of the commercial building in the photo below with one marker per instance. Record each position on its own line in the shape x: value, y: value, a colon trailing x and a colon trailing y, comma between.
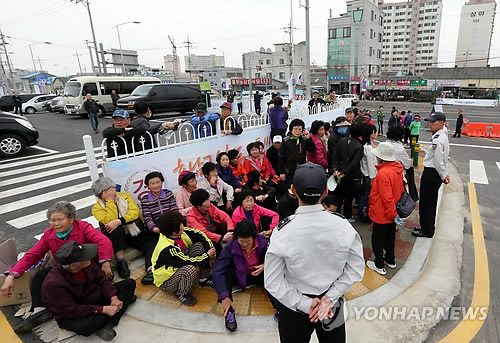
x: 220, y: 78
x: 195, y: 63
x: 172, y: 64
x: 411, y: 36
x: 475, y: 32
x: 355, y: 46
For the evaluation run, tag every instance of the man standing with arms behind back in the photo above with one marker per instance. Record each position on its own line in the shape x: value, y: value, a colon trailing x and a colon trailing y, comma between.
x: 92, y: 109
x: 460, y: 122
x: 315, y: 256
x: 18, y: 104
x: 435, y: 173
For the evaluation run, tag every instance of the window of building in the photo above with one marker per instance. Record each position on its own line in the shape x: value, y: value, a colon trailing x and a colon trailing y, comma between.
x: 282, y: 75
x: 373, y: 13
x: 380, y: 38
x: 340, y: 32
x: 371, y: 33
x: 378, y: 53
x: 268, y: 62
x: 349, y: 10
x: 269, y: 75
x: 371, y: 51
x: 347, y: 32
x: 282, y: 61
x: 332, y: 33
x: 257, y: 75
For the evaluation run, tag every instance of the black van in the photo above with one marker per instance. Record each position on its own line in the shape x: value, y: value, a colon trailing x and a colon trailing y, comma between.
x: 7, y: 101
x: 164, y: 97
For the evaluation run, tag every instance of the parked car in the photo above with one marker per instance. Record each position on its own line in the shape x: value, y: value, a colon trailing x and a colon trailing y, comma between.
x: 168, y: 97
x: 16, y: 133
x: 35, y: 104
x: 7, y: 101
x: 55, y: 105
x: 354, y: 98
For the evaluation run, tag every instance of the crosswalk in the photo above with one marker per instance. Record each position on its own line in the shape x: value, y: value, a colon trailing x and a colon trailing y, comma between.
x: 478, y: 174
x: 28, y: 186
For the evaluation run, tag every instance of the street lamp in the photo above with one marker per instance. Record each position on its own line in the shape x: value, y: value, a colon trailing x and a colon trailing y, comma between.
x: 120, y: 41
x: 31, y: 51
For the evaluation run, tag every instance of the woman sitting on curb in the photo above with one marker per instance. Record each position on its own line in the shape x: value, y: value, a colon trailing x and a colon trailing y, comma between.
x: 241, y: 263
x: 213, y: 184
x: 178, y: 252
x: 265, y: 220
x: 118, y: 217
x: 187, y: 181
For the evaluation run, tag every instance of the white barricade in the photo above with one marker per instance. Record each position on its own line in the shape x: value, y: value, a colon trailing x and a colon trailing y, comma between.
x: 177, y: 151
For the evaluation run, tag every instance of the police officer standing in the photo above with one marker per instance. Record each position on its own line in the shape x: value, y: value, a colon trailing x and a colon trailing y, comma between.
x: 435, y: 173
x: 18, y: 102
x: 315, y: 256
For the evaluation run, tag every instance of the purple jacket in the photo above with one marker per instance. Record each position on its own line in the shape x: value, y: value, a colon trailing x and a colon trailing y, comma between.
x: 278, y: 117
x: 232, y: 257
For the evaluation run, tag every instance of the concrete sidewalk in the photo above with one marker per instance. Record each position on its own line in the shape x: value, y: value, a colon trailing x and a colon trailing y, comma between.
x: 429, y: 277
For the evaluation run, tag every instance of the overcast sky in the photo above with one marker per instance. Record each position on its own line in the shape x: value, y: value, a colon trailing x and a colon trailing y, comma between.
x: 234, y: 27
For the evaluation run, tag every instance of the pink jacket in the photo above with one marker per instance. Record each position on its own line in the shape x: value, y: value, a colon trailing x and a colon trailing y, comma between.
x: 258, y: 212
x: 319, y: 156
x: 182, y: 199
x: 196, y: 220
x: 82, y: 233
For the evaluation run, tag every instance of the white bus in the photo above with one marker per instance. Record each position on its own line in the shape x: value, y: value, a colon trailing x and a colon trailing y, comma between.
x: 100, y: 87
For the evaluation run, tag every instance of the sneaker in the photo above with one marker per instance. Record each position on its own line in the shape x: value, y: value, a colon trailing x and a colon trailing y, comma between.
x: 33, y: 321
x: 148, y: 279
x: 106, y: 333
x: 392, y: 266
x: 372, y: 266
x: 123, y: 270
x: 230, y: 320
x: 187, y: 300
x: 206, y: 283
x: 277, y: 315
x: 351, y: 220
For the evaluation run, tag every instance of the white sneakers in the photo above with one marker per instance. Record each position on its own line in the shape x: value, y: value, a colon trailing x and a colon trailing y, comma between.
x: 392, y: 266
x: 372, y: 266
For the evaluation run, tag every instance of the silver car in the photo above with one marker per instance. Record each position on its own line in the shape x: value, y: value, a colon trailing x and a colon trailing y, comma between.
x: 36, y: 104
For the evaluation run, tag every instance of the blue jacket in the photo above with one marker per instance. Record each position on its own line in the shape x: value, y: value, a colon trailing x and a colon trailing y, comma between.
x: 207, y: 120
x: 278, y: 117
x: 227, y: 175
x: 232, y: 257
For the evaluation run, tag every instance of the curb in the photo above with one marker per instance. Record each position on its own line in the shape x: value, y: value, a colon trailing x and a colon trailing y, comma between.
x: 436, y: 284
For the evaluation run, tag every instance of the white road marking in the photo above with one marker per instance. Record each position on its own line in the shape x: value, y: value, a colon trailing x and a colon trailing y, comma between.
x: 469, y: 145
x: 34, y: 200
x: 44, y: 149
x: 38, y: 158
x: 43, y: 184
x: 498, y: 165
x: 477, y: 172
x: 41, y: 216
x: 44, y: 166
x: 32, y: 177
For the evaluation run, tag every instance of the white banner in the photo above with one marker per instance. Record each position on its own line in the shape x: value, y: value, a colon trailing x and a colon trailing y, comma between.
x: 467, y: 102
x: 129, y: 174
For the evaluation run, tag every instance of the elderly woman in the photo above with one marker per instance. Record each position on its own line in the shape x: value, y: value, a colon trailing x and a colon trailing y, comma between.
x: 319, y: 155
x: 187, y: 181
x: 63, y: 228
x: 118, y: 217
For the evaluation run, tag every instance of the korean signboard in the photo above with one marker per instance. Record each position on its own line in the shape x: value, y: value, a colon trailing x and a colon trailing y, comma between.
x: 244, y: 82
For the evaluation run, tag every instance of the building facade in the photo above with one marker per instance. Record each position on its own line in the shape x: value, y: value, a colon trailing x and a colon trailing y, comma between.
x: 220, y: 78
x: 411, y: 36
x: 195, y: 63
x: 355, y: 46
x: 172, y: 64
x: 475, y: 32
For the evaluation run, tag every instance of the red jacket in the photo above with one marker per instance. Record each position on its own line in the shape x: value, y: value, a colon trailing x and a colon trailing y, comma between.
x: 82, y: 233
x: 319, y: 155
x: 196, y: 220
x: 258, y: 212
x: 386, y: 191
x: 265, y: 170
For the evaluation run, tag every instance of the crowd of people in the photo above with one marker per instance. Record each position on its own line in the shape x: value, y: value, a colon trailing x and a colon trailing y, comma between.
x: 247, y: 220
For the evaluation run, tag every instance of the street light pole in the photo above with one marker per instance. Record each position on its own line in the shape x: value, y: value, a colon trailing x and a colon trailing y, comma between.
x: 120, y: 41
x: 87, y: 5
x: 308, y: 53
x: 32, y: 58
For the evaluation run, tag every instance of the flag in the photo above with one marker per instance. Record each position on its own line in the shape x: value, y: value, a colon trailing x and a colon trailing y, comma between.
x: 299, y: 78
x: 291, y: 86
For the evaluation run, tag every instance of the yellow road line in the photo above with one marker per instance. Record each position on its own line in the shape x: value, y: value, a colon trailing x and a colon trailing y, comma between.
x: 467, y: 329
x: 7, y: 335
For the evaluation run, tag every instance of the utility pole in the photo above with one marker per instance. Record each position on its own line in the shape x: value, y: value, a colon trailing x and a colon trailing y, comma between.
x: 78, y: 59
x: 308, y: 53
x: 292, y: 48
x: 40, y: 64
x: 189, y: 44
x: 174, y: 58
x: 91, y: 58
x: 103, y: 59
x: 87, y: 5
x: 4, y: 43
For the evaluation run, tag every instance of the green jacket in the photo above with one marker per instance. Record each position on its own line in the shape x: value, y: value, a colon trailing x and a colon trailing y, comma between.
x: 380, y: 115
x: 415, y: 128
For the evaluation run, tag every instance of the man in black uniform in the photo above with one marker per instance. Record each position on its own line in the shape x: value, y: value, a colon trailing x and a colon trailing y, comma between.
x: 460, y: 122
x: 18, y: 102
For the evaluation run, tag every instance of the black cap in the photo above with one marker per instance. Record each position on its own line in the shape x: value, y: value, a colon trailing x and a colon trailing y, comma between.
x: 72, y: 252
x: 436, y: 116
x: 348, y: 109
x: 200, y: 107
x: 309, y: 180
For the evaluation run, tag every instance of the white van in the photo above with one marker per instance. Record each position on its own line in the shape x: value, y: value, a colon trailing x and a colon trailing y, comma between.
x: 100, y: 87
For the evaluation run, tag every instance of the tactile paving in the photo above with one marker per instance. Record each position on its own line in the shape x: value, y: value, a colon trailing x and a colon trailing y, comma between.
x: 372, y: 279
x: 167, y: 299
x: 241, y: 303
x: 260, y: 304
x: 356, y: 291
x: 206, y: 300
x: 145, y: 292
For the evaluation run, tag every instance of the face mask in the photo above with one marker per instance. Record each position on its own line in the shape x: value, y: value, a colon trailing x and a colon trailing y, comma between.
x: 342, y: 130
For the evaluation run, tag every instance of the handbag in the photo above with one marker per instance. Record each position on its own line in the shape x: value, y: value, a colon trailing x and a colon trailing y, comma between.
x: 405, y: 205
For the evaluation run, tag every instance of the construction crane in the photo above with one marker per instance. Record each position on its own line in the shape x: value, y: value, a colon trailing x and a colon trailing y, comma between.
x: 175, y: 60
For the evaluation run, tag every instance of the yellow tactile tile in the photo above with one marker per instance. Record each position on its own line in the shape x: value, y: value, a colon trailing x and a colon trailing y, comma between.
x: 260, y: 304
x: 356, y: 291
x: 138, y: 273
x: 7, y: 335
x: 145, y: 292
x: 206, y: 300
x: 373, y: 279
x: 241, y: 303
x: 167, y: 299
